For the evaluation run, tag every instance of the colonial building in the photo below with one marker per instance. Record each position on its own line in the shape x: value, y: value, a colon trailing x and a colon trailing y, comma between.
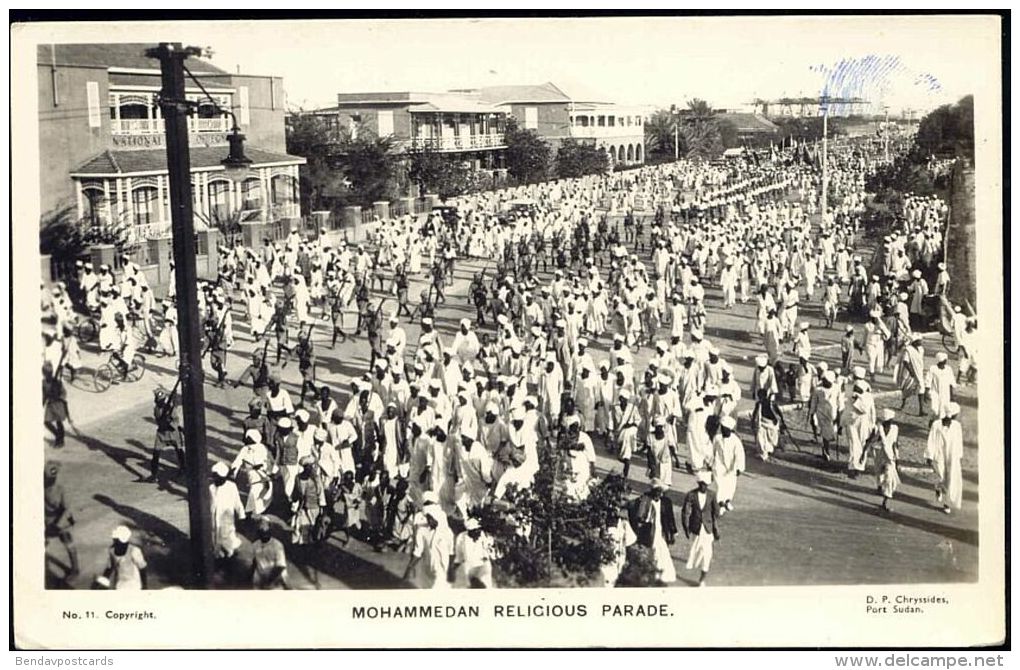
x: 753, y: 130
x: 448, y: 123
x: 102, y: 148
x: 555, y: 116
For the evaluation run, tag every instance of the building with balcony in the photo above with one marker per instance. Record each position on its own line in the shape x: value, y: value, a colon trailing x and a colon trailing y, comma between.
x: 448, y: 123
x: 554, y: 115
x: 102, y: 147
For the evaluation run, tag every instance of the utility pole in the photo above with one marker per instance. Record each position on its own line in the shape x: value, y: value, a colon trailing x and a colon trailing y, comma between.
x: 675, y: 113
x: 885, y: 134
x: 825, y: 159
x: 175, y: 114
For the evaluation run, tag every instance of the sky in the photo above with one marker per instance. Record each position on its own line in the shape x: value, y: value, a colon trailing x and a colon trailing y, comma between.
x: 901, y: 62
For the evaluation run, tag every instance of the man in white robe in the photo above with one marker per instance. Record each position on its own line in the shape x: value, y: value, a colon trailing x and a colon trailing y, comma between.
x: 944, y: 454
x: 728, y: 463
x: 940, y: 382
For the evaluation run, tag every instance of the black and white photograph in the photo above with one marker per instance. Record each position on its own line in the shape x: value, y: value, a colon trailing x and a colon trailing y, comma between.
x: 664, y: 306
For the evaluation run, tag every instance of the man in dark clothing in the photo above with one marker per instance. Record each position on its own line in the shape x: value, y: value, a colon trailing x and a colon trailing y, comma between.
x: 480, y: 297
x: 641, y: 519
x: 57, y: 516
x: 699, y: 517
x: 258, y: 371
x: 54, y: 404
x: 169, y: 429
x: 400, y: 282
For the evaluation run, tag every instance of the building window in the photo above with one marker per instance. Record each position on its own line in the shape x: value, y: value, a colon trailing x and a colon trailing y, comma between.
x: 612, y: 121
x: 95, y: 206
x: 282, y: 189
x: 385, y: 123
x: 145, y: 205
x: 251, y: 194
x: 602, y: 121
x: 531, y: 117
x: 219, y: 199
x: 92, y: 95
x: 242, y: 100
x: 206, y: 117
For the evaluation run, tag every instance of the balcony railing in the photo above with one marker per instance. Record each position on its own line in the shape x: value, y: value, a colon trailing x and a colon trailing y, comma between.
x: 459, y: 142
x: 605, y: 131
x: 155, y: 126
x: 137, y: 126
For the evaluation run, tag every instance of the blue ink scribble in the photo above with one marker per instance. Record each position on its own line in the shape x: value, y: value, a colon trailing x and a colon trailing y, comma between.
x: 852, y: 83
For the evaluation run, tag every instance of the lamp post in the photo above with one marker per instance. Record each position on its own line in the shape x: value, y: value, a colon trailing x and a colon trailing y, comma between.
x: 825, y: 158
x: 676, y: 132
x: 175, y: 109
x: 885, y: 133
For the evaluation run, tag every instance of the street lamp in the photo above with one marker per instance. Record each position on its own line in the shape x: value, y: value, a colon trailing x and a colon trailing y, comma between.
x: 175, y: 107
x: 236, y: 164
x: 825, y: 157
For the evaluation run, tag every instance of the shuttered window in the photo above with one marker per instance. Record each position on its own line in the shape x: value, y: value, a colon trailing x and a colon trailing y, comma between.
x: 92, y: 92
x: 531, y: 117
x: 385, y: 123
x: 242, y: 97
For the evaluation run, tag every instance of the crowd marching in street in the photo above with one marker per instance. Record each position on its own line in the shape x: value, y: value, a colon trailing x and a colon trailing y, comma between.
x: 580, y: 275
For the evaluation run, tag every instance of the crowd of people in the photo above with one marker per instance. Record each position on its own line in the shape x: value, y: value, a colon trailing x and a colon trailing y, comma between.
x: 579, y: 277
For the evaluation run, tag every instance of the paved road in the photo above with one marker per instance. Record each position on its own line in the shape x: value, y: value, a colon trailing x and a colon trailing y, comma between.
x: 795, y: 522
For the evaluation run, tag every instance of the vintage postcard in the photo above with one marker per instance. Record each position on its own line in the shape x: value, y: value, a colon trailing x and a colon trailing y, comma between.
x: 633, y: 331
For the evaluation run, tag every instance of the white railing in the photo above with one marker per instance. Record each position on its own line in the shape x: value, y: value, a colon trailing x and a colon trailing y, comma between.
x: 137, y: 126
x: 155, y: 126
x: 215, y: 125
x: 147, y: 231
x: 605, y: 131
x: 460, y: 142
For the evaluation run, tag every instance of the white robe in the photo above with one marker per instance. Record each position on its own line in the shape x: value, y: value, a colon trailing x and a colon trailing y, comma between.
x: 729, y: 460
x: 945, y: 449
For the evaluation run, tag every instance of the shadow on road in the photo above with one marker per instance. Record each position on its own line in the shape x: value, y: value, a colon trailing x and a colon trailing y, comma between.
x: 122, y: 457
x: 165, y: 547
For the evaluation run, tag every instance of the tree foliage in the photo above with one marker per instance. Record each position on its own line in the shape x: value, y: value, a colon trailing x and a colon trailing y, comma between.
x: 66, y: 237
x: 947, y: 131
x: 702, y: 139
x: 527, y: 154
x: 660, y: 141
x: 343, y: 167
x: 700, y: 132
x: 322, y: 182
x: 545, y: 538
x: 442, y: 174
x: 576, y: 159
x: 370, y: 166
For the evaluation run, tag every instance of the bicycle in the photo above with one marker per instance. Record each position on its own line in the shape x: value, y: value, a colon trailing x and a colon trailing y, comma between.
x: 87, y: 328
x: 944, y: 322
x: 149, y: 341
x: 108, y: 372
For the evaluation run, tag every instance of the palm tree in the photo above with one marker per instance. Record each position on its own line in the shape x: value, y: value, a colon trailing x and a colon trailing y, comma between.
x: 701, y: 131
x: 699, y: 109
